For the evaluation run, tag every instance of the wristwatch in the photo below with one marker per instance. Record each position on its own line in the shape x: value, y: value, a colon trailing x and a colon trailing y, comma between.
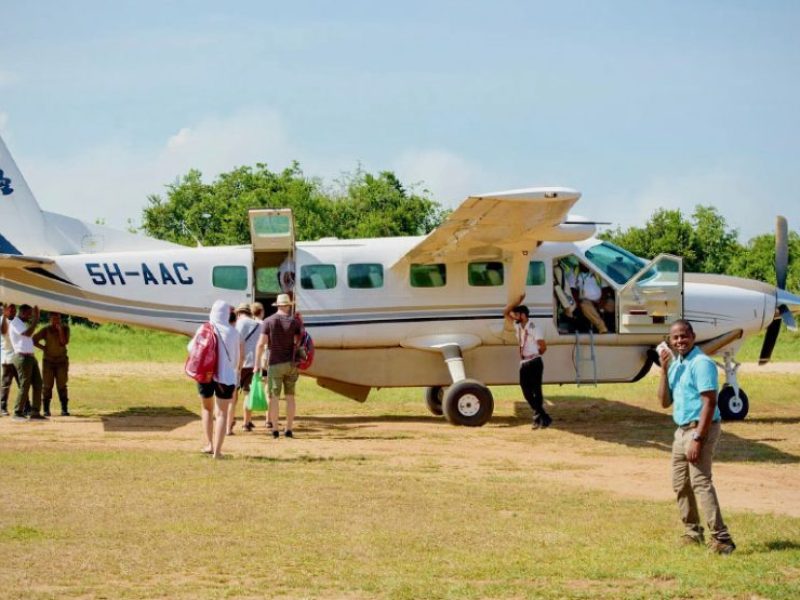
x: 696, y: 437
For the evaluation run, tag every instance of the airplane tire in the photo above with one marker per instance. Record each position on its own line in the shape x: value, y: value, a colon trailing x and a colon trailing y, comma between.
x: 433, y: 398
x: 469, y: 403
x: 732, y: 408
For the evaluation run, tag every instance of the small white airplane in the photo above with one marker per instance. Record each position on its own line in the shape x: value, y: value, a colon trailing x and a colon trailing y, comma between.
x: 406, y: 311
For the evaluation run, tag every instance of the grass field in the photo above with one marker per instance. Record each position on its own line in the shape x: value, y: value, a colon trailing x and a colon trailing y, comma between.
x: 109, y: 343
x: 383, y: 500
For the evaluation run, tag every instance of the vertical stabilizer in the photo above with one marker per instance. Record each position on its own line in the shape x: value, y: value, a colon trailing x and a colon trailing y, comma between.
x: 22, y: 225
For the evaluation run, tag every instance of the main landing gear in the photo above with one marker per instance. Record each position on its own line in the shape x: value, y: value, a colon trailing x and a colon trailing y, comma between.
x: 732, y: 401
x: 466, y: 402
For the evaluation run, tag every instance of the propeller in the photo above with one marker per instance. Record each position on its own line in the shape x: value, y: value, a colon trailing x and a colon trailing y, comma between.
x: 783, y: 312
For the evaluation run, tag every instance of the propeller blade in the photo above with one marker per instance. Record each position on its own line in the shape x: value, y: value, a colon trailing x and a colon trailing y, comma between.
x: 769, y: 341
x: 781, y: 251
x: 788, y: 318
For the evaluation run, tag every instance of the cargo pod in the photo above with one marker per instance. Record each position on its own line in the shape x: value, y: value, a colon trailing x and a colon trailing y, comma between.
x: 272, y: 235
x: 653, y: 299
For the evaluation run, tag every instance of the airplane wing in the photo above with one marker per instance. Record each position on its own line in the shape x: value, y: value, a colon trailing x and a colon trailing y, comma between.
x: 493, y: 225
x: 17, y: 261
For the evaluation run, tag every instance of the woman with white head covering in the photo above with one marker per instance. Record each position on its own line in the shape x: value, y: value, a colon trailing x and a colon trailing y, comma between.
x: 226, y: 376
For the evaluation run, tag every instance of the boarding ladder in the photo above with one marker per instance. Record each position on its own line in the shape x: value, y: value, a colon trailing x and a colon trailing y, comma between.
x: 583, y: 364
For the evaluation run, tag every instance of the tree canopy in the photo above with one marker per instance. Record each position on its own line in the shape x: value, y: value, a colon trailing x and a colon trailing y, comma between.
x: 362, y: 205
x: 707, y: 245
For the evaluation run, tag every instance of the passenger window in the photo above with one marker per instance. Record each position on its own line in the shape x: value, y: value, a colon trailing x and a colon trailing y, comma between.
x: 318, y: 277
x: 536, y: 273
x: 485, y: 274
x: 365, y: 276
x: 229, y: 278
x: 428, y: 275
x: 267, y: 280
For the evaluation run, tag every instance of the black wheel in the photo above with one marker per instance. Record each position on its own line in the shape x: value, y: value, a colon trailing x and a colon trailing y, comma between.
x: 732, y: 407
x: 468, y: 402
x: 433, y: 398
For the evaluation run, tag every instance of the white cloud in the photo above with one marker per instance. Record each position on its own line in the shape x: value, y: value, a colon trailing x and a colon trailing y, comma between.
x: 745, y: 205
x: 450, y: 178
x: 113, y: 181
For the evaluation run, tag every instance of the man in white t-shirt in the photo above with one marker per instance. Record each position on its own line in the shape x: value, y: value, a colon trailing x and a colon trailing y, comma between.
x: 22, y: 330
x: 531, y: 348
x: 9, y: 371
x: 589, y: 295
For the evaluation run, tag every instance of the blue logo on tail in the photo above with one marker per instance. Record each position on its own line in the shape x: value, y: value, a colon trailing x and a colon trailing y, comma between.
x: 5, y: 184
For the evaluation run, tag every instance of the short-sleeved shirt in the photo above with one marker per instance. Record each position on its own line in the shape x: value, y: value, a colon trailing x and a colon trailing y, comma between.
x: 54, y: 350
x: 248, y: 329
x: 281, y: 330
x: 528, y: 336
x: 688, y: 377
x: 588, y: 287
x: 5, y: 345
x: 23, y: 344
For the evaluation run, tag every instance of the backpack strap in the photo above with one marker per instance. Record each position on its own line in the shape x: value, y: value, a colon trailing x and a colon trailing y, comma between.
x: 252, y: 331
x: 222, y: 341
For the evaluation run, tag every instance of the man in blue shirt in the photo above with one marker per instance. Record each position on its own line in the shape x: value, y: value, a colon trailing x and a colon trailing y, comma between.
x: 689, y: 384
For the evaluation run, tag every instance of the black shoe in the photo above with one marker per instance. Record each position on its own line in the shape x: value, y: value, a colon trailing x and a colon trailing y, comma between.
x: 37, y: 417
x: 64, y: 413
x: 288, y: 433
x: 275, y: 434
x: 268, y: 425
x: 546, y: 420
x: 47, y: 413
x: 248, y: 426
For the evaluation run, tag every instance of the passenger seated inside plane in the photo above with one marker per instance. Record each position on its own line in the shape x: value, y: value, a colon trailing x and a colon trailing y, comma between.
x: 589, y: 296
x: 565, y: 303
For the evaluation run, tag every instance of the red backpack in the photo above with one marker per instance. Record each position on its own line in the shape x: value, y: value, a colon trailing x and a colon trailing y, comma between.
x: 201, y: 364
x: 304, y: 355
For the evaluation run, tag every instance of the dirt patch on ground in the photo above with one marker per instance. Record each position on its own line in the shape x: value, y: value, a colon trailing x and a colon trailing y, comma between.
x: 425, y: 443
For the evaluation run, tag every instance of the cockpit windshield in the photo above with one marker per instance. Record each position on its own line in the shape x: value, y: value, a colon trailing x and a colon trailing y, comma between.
x: 620, y: 265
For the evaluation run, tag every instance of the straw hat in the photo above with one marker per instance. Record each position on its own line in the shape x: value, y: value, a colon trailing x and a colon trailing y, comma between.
x: 244, y: 307
x: 283, y: 300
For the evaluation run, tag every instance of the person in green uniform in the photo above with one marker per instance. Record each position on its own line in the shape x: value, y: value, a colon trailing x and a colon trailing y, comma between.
x: 52, y: 341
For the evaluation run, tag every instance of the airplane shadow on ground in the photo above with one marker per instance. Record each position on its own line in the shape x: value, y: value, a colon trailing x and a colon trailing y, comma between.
x: 149, y: 418
x: 619, y: 423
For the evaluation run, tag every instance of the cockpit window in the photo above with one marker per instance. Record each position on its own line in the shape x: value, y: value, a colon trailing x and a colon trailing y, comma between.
x: 620, y: 265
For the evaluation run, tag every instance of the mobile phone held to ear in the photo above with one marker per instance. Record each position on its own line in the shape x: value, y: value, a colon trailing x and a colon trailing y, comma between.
x: 662, y: 347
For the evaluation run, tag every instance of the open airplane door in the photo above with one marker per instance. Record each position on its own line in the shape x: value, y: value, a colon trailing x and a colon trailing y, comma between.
x: 653, y: 299
x: 272, y: 234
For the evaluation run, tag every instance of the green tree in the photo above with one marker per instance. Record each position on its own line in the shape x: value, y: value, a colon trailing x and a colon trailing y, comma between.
x: 216, y: 213
x: 705, y: 242
x: 757, y: 260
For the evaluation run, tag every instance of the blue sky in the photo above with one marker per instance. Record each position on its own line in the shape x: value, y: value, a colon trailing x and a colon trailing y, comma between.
x: 639, y: 105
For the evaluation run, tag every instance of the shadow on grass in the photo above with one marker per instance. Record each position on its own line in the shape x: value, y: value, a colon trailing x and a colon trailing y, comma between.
x: 149, y: 418
x: 619, y: 423
x: 339, y: 422
x: 774, y: 546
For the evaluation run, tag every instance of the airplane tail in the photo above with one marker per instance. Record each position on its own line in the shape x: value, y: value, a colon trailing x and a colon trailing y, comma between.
x: 27, y: 230
x: 23, y: 229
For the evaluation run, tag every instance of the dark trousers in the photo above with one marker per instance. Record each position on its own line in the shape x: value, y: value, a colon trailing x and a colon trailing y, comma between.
x: 55, y: 373
x: 9, y: 375
x: 29, y: 377
x: 530, y: 380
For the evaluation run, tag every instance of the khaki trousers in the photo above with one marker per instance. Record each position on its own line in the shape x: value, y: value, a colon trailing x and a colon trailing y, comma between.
x: 589, y: 310
x: 692, y: 482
